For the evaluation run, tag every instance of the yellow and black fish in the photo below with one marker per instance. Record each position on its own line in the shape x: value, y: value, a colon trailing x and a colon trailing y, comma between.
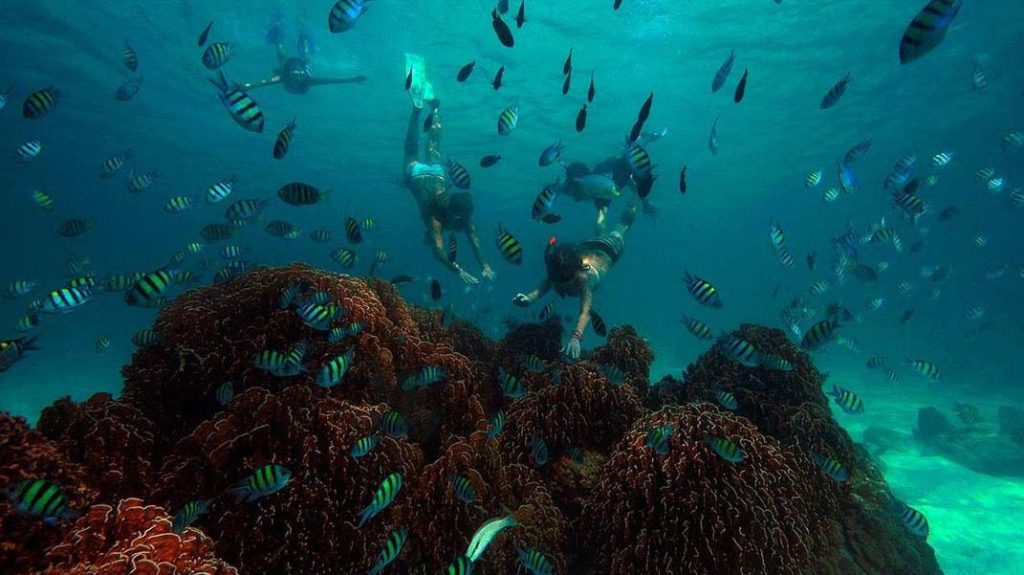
x: 509, y: 246
x: 928, y: 28
x: 216, y: 55
x: 352, y: 231
x: 242, y: 108
x: 284, y: 139
x: 508, y: 119
x: 131, y: 59
x: 40, y: 103
x: 702, y: 290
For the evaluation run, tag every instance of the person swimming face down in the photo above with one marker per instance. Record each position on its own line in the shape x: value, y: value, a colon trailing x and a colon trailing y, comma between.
x: 563, y: 264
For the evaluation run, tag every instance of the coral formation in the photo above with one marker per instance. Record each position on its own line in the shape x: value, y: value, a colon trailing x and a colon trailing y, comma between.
x: 112, y: 439
x: 690, y: 511
x: 603, y: 500
x: 26, y: 454
x: 310, y: 525
x: 626, y: 350
x: 132, y: 539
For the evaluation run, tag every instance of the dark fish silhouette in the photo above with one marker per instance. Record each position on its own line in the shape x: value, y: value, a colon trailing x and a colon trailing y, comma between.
x: 741, y: 88
x: 498, y: 77
x: 521, y: 14
x: 723, y: 72
x: 581, y: 119
x: 465, y: 71
x: 590, y: 90
x: 502, y: 30
x: 205, y: 34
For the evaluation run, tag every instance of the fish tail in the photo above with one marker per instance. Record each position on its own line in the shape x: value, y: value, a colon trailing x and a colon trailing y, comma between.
x: 367, y: 513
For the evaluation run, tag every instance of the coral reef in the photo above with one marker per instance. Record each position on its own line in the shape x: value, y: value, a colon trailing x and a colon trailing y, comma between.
x: 26, y: 454
x: 132, y: 539
x: 310, y: 526
x: 629, y: 352
x: 603, y: 501
x: 691, y: 511
x: 112, y: 439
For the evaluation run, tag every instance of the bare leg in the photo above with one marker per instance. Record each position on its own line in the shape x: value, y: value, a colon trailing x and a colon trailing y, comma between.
x: 275, y: 79
x: 326, y: 81
x: 432, y: 151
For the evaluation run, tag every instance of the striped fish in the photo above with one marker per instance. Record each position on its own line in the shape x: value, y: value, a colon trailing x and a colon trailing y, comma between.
x: 334, y: 371
x: 301, y: 194
x: 928, y: 28
x: 426, y: 376
x: 146, y: 337
x: 19, y: 288
x: 284, y: 140
x: 461, y: 566
x: 242, y: 108
x: 508, y: 119
x: 40, y: 498
x: 702, y: 290
x: 178, y: 204
x: 129, y: 57
x: 830, y: 195
x: 535, y: 562
x: 216, y: 55
x: 219, y: 191
x: 497, y: 425
x: 244, y: 210
x: 114, y: 163
x: 819, y: 335
x: 509, y: 247
x: 547, y: 311
x: 857, y: 152
x: 511, y: 387
x: 813, y: 179
x: 320, y: 236
x: 597, y: 322
x: 142, y: 181
x: 29, y: 150
x: 43, y: 200
x: 835, y: 93
x: 658, y: 437
x: 149, y: 288
x: 26, y: 323
x: 344, y: 14
x: 726, y: 399
x: 352, y: 231
x: 74, y: 227
x: 639, y: 160
x: 613, y: 374
x: 463, y: 488
x: 102, y: 343
x: 725, y: 449
x: 382, y: 498
x: 698, y: 328
x: 847, y: 400
x: 914, y: 520
x: 924, y: 368
x: 392, y: 547
x: 265, y: 481
x: 773, y: 361
x: 364, y: 445
x: 459, y: 175
x: 453, y: 248
x: 543, y: 205
x: 739, y: 350
x: 188, y: 514
x: 393, y: 424
x: 225, y: 392
x: 346, y: 257
x: 830, y: 467
x: 65, y: 300
x: 40, y: 103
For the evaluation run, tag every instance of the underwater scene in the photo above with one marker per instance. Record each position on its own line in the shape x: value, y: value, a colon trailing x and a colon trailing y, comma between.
x: 592, y: 287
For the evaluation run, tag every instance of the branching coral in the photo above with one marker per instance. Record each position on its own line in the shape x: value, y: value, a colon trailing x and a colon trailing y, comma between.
x: 626, y: 350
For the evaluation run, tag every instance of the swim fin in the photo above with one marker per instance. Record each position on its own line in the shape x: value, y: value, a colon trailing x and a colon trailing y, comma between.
x: 421, y: 89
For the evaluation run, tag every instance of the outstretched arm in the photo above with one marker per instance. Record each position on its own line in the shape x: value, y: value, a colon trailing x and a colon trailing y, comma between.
x: 572, y: 349
x: 437, y: 246
x: 474, y: 240
x: 275, y: 79
x: 525, y: 299
x: 325, y: 81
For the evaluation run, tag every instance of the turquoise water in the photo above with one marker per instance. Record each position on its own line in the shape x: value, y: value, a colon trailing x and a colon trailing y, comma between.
x: 349, y: 140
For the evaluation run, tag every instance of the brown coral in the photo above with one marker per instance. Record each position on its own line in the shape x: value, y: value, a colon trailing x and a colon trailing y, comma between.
x: 626, y: 350
x: 309, y: 526
x: 690, y: 511
x: 133, y: 539
x: 26, y: 454
x: 112, y: 439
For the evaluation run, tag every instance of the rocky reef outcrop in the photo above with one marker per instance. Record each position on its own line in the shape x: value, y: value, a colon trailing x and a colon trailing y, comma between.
x: 568, y: 460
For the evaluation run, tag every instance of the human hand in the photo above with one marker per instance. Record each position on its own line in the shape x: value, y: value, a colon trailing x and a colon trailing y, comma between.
x: 488, y: 273
x: 521, y: 300
x: 572, y: 349
x: 467, y: 277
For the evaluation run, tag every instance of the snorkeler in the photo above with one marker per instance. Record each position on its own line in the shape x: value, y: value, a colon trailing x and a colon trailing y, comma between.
x: 440, y: 209
x: 578, y: 270
x: 295, y: 73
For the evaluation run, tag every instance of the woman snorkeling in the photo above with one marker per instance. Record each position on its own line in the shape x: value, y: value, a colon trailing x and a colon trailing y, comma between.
x: 578, y: 270
x: 296, y: 75
x: 440, y: 209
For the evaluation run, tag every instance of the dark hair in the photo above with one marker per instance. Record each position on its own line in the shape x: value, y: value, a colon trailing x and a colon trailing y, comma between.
x: 562, y: 262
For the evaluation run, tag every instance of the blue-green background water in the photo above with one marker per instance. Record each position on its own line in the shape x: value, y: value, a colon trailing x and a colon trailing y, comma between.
x: 349, y: 140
